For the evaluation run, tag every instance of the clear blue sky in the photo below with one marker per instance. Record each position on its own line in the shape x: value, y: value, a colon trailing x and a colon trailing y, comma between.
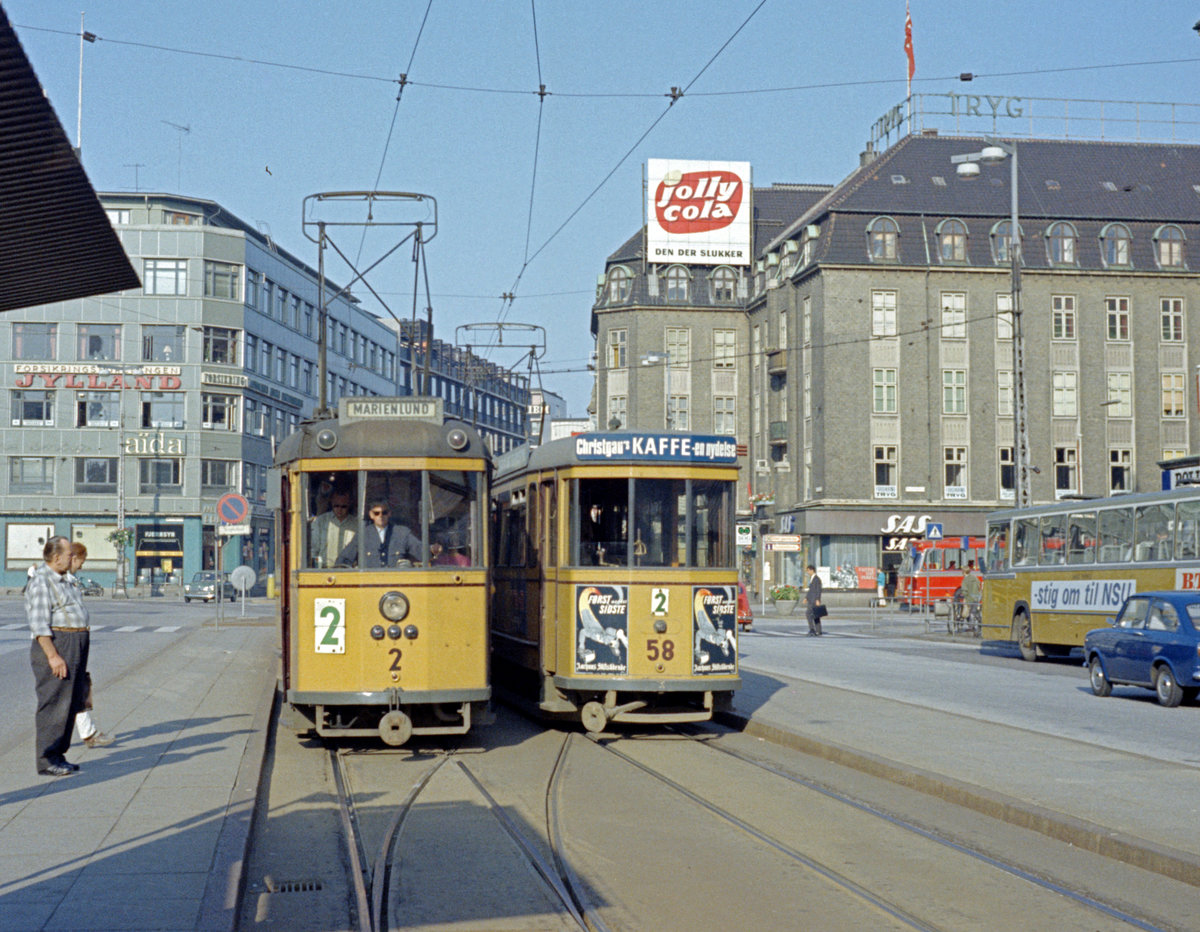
x: 473, y: 148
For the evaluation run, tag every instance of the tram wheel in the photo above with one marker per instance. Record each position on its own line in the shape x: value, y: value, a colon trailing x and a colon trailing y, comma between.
x: 395, y: 728
x: 594, y: 717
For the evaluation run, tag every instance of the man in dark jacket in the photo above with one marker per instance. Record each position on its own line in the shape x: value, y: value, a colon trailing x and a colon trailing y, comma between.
x: 812, y: 598
x: 382, y: 543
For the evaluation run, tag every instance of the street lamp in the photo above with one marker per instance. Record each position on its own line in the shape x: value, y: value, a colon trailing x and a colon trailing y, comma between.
x: 968, y: 168
x: 661, y: 358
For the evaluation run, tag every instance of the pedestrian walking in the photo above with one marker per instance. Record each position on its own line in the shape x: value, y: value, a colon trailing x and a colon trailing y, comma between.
x: 812, y: 603
x: 58, y: 626
x: 91, y: 735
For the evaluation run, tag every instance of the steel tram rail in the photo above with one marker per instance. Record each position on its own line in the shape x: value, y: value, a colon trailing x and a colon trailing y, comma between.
x: 812, y: 864
x: 898, y: 822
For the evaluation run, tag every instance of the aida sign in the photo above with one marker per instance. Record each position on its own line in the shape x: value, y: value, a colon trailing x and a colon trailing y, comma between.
x: 698, y: 213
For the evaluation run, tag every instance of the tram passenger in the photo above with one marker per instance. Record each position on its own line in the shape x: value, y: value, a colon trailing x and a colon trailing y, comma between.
x: 382, y: 543
x: 332, y: 531
x: 592, y: 537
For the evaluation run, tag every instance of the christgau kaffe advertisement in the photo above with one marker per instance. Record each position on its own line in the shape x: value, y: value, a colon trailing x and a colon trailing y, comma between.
x: 698, y: 213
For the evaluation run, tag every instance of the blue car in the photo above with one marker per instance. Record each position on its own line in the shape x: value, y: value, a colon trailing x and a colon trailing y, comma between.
x: 1154, y: 642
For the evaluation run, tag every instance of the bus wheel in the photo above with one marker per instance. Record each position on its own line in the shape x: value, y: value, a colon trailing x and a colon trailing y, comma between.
x: 1024, y: 632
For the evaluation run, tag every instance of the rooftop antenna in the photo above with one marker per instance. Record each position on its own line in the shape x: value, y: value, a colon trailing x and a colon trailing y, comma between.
x: 135, y: 166
x: 183, y: 131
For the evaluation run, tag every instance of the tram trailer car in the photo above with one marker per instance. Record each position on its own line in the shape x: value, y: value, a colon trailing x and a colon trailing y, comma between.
x: 615, y: 583
x: 384, y: 611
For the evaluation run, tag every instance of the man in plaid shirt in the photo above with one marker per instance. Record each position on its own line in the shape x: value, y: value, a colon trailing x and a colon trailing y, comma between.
x: 58, y: 624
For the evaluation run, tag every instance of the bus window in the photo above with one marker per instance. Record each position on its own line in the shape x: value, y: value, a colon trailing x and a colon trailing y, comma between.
x: 1053, y: 540
x: 603, y: 509
x: 1081, y: 537
x: 1025, y: 541
x: 1152, y: 533
x: 1116, y: 535
x: 1187, y: 530
x: 995, y: 557
x: 330, y: 511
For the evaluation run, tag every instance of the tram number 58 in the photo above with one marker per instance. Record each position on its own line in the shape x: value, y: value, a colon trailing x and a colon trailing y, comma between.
x: 329, y: 618
x: 654, y: 650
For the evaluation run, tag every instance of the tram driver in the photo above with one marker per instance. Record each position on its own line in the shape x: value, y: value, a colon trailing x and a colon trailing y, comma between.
x: 382, y: 542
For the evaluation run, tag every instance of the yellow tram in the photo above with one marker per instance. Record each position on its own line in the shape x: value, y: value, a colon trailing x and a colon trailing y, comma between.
x: 384, y: 601
x: 615, y: 586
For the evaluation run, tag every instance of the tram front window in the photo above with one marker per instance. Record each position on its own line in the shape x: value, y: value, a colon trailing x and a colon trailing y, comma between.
x: 452, y: 518
x: 330, y: 513
x: 603, y: 523
x: 676, y: 522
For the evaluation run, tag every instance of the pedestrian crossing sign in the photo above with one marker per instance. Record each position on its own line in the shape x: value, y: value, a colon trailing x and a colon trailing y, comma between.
x: 933, y: 532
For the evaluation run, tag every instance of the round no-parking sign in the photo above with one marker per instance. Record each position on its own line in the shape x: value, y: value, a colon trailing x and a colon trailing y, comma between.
x: 232, y: 508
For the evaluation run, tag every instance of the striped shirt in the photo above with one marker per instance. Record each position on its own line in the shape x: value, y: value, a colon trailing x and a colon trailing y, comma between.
x: 52, y: 602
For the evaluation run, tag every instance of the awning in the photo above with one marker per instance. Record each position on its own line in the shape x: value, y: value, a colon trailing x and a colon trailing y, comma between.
x: 56, y: 243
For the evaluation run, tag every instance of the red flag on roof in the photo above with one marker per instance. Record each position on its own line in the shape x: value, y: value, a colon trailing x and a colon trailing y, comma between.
x: 908, y: 46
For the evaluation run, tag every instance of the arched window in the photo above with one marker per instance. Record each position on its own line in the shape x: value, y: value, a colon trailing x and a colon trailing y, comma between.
x: 883, y: 240
x: 677, y: 283
x: 619, y: 280
x: 1114, y: 246
x: 1002, y: 241
x: 1168, y: 247
x: 723, y: 283
x: 1060, y: 243
x: 952, y: 241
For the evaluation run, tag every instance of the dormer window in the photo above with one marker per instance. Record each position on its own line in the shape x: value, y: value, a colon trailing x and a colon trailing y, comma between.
x: 1002, y: 242
x: 883, y: 240
x: 619, y: 281
x: 1168, y: 247
x: 1114, y: 246
x: 723, y: 282
x: 1060, y: 244
x: 677, y: 283
x: 952, y: 241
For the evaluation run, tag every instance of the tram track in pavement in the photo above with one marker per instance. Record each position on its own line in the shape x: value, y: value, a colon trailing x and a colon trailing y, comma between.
x: 375, y: 873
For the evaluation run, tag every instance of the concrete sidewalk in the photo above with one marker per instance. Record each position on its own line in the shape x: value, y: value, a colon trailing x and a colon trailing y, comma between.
x: 152, y: 832
x: 1075, y: 791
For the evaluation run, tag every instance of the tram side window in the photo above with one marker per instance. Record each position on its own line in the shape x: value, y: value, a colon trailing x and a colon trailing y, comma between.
x: 1116, y: 535
x: 1152, y: 532
x: 659, y: 527
x: 387, y: 518
x: 511, y: 537
x: 453, y: 499
x: 1187, y: 530
x: 1025, y: 542
x: 995, y: 558
x: 1081, y: 538
x: 712, y: 521
x: 1053, y: 540
x: 603, y: 524
x: 330, y: 502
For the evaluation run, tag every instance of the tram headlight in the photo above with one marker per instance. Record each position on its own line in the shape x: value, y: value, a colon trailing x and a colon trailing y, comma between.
x: 394, y: 632
x: 457, y: 439
x: 660, y: 626
x: 377, y: 632
x: 327, y: 438
x: 411, y: 632
x: 393, y: 606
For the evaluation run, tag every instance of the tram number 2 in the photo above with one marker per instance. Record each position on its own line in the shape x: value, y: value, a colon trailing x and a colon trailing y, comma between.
x: 654, y: 649
x: 394, y: 653
x: 329, y: 617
